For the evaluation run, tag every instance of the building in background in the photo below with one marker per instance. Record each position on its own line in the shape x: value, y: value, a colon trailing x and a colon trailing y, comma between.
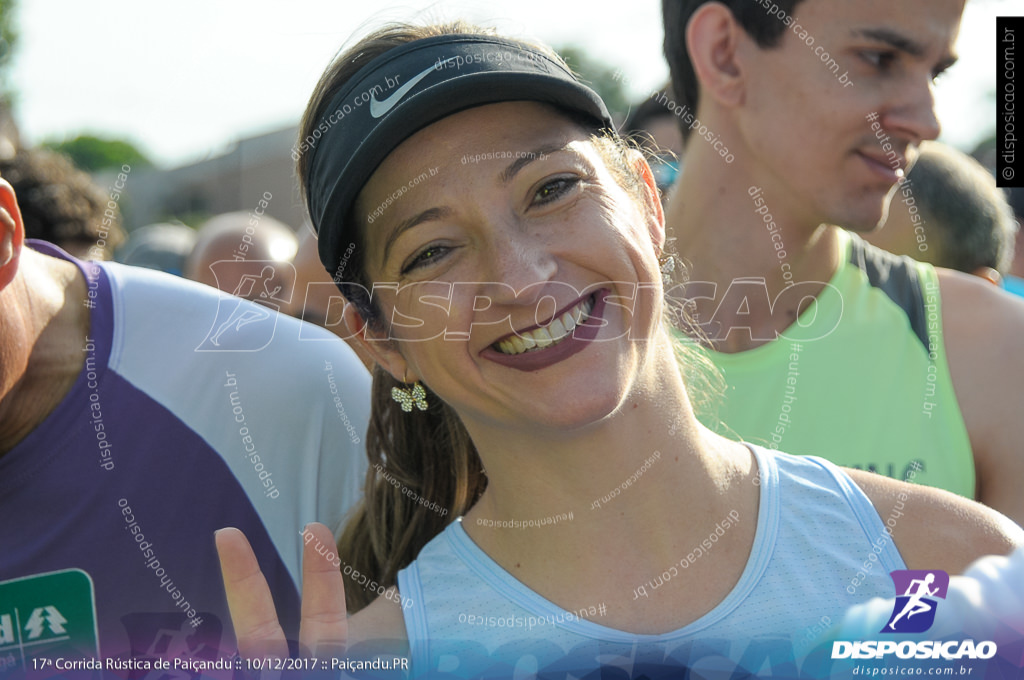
x: 235, y: 181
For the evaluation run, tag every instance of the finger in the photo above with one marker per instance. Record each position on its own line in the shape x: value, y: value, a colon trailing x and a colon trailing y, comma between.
x: 324, y: 626
x: 257, y: 629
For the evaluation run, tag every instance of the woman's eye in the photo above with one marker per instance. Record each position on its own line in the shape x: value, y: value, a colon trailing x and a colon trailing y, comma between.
x: 555, y: 189
x: 428, y: 255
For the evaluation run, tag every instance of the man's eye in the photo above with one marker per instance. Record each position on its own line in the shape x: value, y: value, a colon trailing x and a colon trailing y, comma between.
x: 428, y: 255
x: 883, y: 61
x: 555, y: 189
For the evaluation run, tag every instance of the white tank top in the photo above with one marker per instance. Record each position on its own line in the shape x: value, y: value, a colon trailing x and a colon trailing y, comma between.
x: 819, y: 548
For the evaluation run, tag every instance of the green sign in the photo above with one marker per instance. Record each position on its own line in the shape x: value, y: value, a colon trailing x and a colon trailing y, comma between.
x: 46, y: 616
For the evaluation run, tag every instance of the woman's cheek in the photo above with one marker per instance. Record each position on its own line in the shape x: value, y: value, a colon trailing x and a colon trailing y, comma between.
x: 421, y: 311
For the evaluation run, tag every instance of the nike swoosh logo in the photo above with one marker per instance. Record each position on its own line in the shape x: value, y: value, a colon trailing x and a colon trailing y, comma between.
x: 378, y: 109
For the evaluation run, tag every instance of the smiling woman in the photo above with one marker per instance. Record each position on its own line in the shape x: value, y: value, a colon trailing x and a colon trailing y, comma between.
x: 521, y: 297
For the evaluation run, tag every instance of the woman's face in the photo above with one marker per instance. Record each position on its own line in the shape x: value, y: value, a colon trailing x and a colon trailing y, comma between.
x: 515, y: 276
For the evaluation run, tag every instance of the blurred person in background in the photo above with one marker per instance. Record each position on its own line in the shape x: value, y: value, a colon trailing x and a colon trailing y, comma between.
x: 61, y: 204
x: 829, y: 345
x: 246, y: 255
x: 138, y: 413
x: 949, y: 212
x: 317, y: 299
x: 1014, y: 280
x: 314, y: 289
x: 163, y: 247
x: 655, y: 128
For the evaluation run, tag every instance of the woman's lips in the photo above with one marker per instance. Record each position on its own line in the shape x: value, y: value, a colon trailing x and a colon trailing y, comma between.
x: 540, y: 337
x: 542, y: 346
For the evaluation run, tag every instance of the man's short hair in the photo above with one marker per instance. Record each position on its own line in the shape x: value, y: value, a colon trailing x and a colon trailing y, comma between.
x: 763, y: 20
x: 60, y: 203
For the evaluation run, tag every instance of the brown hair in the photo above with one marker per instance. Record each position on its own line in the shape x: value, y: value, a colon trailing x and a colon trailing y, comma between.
x: 61, y: 204
x: 424, y: 470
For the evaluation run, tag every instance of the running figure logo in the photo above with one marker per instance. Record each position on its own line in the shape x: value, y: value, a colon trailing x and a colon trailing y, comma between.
x: 914, y: 611
x: 240, y: 326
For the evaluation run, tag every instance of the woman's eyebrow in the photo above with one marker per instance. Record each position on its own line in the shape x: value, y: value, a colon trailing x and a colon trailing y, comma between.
x: 506, y: 176
x: 528, y: 157
x: 427, y: 215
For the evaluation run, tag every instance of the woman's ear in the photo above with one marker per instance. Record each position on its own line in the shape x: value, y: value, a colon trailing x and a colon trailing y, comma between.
x: 652, y: 201
x: 371, y: 346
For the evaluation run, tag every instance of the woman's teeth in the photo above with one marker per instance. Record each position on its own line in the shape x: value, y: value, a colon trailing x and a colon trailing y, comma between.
x: 552, y: 334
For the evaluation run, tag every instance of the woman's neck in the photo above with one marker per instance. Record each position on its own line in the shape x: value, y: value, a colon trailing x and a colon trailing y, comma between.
x: 644, y: 485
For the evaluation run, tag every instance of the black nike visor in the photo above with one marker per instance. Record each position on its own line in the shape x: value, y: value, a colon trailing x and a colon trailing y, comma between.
x: 403, y: 91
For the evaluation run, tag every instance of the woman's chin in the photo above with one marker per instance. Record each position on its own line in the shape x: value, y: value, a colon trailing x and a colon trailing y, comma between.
x: 572, y: 415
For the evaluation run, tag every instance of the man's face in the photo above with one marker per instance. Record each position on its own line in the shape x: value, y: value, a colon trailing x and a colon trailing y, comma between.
x: 805, y: 115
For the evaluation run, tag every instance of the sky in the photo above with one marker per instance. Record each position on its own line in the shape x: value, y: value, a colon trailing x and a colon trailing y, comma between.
x: 184, y: 80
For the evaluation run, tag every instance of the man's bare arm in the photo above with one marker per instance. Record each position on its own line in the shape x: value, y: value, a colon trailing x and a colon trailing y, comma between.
x: 938, y: 529
x: 983, y: 331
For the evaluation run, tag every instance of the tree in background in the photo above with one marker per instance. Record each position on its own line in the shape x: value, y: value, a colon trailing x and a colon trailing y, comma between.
x: 600, y: 77
x: 10, y: 140
x: 8, y: 39
x: 93, y: 154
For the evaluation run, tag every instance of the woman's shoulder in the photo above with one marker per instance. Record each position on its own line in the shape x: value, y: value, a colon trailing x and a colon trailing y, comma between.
x: 936, y: 529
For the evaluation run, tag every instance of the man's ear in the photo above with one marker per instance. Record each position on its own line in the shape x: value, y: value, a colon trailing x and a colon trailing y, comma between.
x: 368, y: 343
x: 12, y: 234
x: 652, y: 201
x: 713, y: 38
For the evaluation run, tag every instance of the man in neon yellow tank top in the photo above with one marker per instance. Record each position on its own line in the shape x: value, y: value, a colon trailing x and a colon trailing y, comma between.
x: 801, y: 114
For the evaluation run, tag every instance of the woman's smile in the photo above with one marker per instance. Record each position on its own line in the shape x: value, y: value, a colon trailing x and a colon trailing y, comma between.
x: 543, y: 345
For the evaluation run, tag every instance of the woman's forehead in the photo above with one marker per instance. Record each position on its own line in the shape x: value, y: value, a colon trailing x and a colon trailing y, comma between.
x: 520, y: 126
x: 480, y: 148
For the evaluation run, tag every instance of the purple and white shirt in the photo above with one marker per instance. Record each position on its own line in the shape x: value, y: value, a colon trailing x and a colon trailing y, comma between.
x: 194, y: 411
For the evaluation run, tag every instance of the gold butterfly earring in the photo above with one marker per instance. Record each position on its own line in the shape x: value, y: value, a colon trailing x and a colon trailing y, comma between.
x: 409, y: 396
